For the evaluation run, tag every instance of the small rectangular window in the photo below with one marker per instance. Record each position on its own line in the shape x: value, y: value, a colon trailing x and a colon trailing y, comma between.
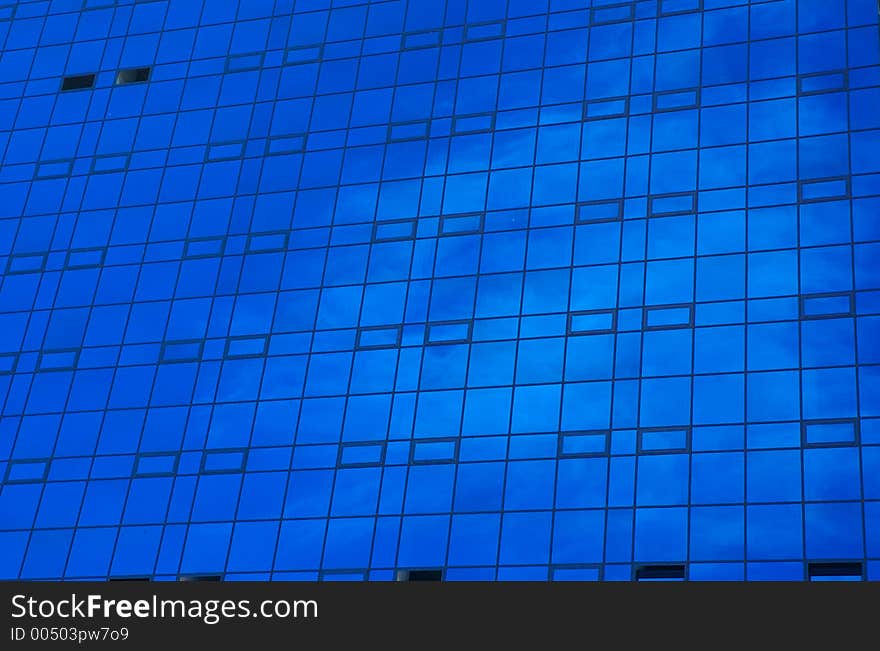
x: 204, y: 577
x: 835, y: 571
x: 657, y: 440
x: 132, y: 76
x: 435, y: 451
x: 420, y: 575
x: 660, y: 573
x: 78, y: 82
x: 361, y: 454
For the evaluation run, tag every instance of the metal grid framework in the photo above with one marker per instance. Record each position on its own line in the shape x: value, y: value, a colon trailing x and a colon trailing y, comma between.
x: 409, y: 290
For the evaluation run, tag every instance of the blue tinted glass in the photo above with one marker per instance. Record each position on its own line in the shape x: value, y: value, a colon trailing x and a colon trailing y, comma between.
x: 513, y: 290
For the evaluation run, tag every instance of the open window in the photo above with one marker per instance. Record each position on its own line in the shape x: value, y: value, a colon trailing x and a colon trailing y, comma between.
x: 420, y: 575
x: 132, y: 76
x: 844, y: 571
x: 660, y: 573
x: 77, y: 82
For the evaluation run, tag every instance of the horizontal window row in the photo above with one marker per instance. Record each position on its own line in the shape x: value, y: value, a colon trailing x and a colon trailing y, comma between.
x: 547, y: 187
x: 359, y: 24
x: 443, y: 408
x: 828, y: 535
x: 104, y: 277
x: 721, y: 323
x: 673, y: 125
x: 38, y: 434
x: 698, y: 571
x: 148, y: 448
x: 633, y: 229
x: 545, y: 330
x: 513, y: 187
x: 480, y: 46
x: 518, y: 366
x: 631, y: 296
x: 370, y: 453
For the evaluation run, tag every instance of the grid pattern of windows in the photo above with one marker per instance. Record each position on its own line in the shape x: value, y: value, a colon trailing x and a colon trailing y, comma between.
x: 411, y: 289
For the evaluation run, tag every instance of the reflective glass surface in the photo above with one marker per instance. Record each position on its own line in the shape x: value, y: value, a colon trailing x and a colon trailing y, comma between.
x: 508, y: 289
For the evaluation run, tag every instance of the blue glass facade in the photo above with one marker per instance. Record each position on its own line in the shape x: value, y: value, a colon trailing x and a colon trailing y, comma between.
x: 515, y: 289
